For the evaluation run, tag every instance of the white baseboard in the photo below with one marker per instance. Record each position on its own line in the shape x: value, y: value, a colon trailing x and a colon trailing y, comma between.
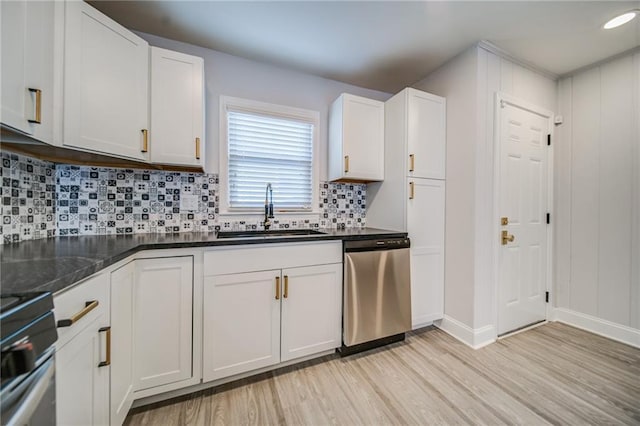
x: 611, y: 330
x: 475, y: 338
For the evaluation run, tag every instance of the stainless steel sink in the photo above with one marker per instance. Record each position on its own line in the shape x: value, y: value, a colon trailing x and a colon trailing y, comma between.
x: 269, y: 233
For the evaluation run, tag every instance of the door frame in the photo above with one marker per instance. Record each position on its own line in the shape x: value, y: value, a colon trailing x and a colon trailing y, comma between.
x: 500, y: 99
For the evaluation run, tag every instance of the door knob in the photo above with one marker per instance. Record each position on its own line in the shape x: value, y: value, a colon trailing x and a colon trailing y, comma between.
x: 506, y: 238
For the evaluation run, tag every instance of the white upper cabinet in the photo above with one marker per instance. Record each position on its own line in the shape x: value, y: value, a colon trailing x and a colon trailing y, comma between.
x: 177, y: 108
x: 28, y: 45
x: 356, y: 139
x: 424, y: 118
x: 414, y: 186
x: 106, y: 85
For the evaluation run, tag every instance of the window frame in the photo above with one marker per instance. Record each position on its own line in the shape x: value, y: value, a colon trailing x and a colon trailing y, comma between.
x: 279, y: 111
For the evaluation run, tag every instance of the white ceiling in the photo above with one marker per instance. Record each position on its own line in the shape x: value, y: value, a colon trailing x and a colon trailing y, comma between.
x: 386, y: 45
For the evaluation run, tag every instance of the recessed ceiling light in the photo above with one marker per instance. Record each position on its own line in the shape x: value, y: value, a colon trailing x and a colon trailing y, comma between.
x: 620, y: 20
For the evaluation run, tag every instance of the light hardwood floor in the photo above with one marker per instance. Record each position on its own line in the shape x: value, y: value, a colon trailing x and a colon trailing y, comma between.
x: 553, y: 374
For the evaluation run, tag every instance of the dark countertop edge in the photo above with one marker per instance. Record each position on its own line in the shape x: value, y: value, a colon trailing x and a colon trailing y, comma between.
x: 66, y: 281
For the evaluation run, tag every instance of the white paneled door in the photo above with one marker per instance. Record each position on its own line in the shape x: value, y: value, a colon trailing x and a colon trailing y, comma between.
x: 523, y: 206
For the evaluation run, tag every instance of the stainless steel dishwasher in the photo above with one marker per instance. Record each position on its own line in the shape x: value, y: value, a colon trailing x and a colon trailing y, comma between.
x: 377, y: 293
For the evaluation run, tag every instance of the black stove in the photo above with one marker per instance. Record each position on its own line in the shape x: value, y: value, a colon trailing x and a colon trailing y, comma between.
x: 18, y: 311
x: 27, y: 337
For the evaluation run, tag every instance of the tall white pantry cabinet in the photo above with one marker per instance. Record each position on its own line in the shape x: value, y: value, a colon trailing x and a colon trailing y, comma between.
x: 412, y: 196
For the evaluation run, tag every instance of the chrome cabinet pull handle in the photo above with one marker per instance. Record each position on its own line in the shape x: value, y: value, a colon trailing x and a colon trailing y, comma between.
x: 89, y: 306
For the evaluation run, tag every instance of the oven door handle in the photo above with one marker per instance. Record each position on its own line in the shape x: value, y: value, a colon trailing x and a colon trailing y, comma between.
x: 34, y: 387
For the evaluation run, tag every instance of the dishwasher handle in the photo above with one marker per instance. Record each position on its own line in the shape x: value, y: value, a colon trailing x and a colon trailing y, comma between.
x: 377, y: 244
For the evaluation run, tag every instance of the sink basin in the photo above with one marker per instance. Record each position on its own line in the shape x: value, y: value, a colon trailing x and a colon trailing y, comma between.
x: 270, y: 233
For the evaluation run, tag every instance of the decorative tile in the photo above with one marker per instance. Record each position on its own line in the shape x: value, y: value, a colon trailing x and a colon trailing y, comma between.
x: 41, y: 200
x: 28, y: 198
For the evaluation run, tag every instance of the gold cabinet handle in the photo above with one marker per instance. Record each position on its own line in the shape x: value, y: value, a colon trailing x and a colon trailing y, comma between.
x: 504, y: 221
x: 145, y: 140
x: 286, y: 286
x: 197, y: 148
x: 411, y: 190
x: 412, y: 162
x: 277, y: 288
x: 38, y: 112
x: 506, y: 238
x: 88, y: 307
x: 107, y: 360
x: 346, y: 164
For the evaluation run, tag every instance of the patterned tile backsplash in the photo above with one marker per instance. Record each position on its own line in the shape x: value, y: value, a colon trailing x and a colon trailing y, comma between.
x: 42, y: 199
x: 28, y: 198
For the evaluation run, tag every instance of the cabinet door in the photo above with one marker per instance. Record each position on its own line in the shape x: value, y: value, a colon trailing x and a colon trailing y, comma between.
x: 177, y: 108
x: 122, y: 353
x: 356, y: 139
x: 105, y: 85
x: 27, y: 67
x: 311, y: 310
x: 425, y: 225
x: 162, y: 321
x: 426, y: 129
x: 241, y: 323
x: 82, y: 387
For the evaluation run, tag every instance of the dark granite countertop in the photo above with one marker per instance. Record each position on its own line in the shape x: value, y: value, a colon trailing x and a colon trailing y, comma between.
x: 55, y: 263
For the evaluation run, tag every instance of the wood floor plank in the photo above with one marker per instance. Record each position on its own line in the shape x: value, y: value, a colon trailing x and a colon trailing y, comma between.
x: 552, y: 374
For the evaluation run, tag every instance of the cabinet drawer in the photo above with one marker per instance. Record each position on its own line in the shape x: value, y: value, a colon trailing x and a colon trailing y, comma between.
x: 235, y: 259
x: 73, y: 303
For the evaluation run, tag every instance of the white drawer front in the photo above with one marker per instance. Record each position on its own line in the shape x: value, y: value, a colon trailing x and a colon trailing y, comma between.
x: 260, y: 257
x: 71, y: 302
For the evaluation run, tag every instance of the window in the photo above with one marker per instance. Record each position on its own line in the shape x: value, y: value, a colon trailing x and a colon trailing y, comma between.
x: 261, y: 144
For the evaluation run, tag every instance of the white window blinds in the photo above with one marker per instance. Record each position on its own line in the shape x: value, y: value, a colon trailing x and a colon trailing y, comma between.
x: 267, y: 149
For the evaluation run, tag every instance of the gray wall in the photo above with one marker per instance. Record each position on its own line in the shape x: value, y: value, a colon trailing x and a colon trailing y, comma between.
x: 457, y: 81
x: 469, y: 82
x: 598, y: 193
x: 233, y: 76
x: 496, y: 74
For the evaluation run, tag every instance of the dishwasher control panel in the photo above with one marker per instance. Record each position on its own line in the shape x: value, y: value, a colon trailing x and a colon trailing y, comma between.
x: 377, y: 244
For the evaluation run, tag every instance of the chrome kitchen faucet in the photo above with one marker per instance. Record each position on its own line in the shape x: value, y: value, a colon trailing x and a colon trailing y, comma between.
x: 268, y: 206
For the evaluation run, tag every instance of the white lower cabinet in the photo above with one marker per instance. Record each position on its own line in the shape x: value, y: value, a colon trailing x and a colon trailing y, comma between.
x: 82, y: 367
x: 425, y: 225
x: 311, y: 310
x: 82, y: 396
x: 140, y: 331
x: 121, y: 395
x: 241, y: 323
x: 256, y: 319
x: 162, y: 321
